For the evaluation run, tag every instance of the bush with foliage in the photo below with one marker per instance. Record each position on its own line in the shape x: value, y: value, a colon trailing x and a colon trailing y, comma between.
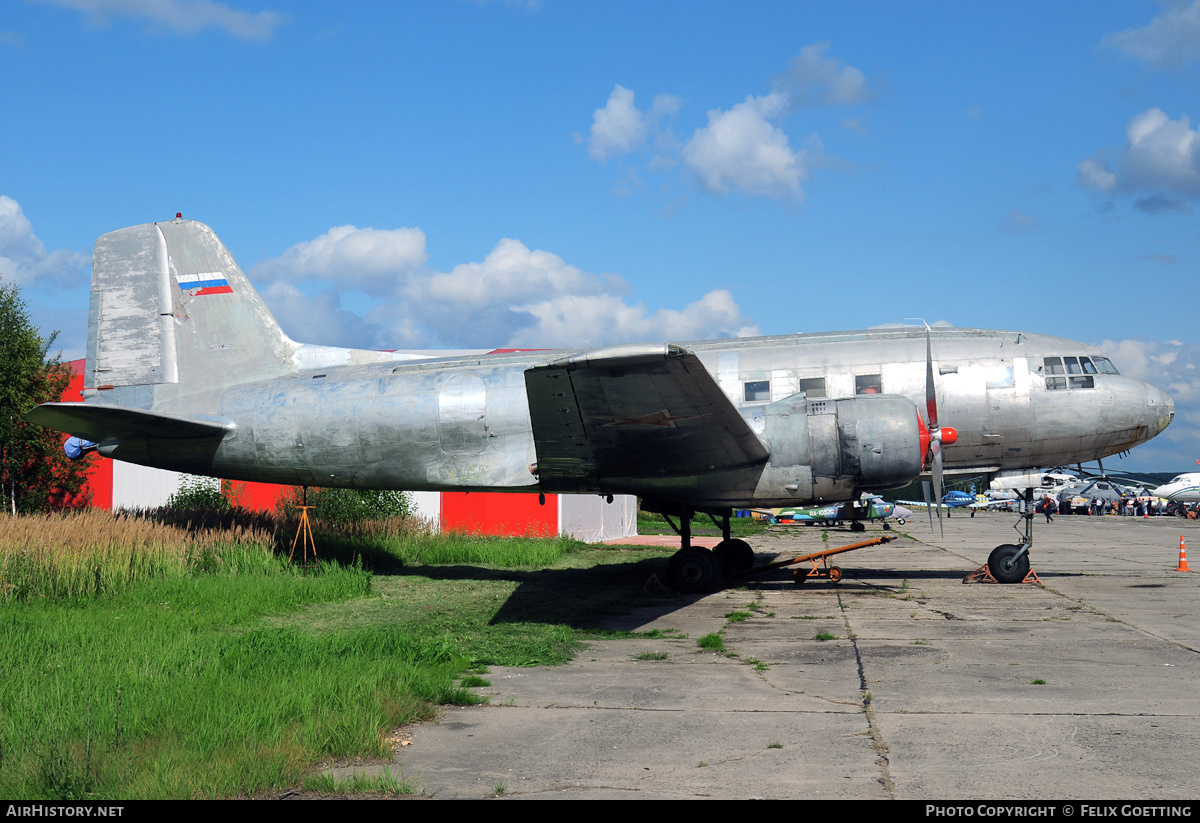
x: 35, y: 474
x: 348, y: 505
x: 200, y: 494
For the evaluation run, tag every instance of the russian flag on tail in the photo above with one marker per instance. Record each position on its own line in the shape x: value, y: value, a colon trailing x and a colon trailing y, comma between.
x: 212, y: 282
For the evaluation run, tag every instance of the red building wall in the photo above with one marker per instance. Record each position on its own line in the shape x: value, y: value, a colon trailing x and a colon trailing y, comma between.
x: 99, y: 476
x: 507, y: 515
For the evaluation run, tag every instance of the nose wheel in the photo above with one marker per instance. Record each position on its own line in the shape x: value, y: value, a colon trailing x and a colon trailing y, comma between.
x: 1009, y: 563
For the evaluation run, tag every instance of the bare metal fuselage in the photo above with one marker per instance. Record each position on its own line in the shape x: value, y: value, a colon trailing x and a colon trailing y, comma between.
x: 464, y: 423
x: 188, y: 370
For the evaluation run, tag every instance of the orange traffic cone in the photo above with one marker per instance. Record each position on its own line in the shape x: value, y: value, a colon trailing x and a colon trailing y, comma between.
x: 1183, y: 566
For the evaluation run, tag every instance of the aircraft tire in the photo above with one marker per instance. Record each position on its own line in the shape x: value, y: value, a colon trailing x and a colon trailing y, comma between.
x: 900, y: 522
x: 857, y: 526
x: 734, y: 556
x: 693, y: 570
x: 1004, y: 566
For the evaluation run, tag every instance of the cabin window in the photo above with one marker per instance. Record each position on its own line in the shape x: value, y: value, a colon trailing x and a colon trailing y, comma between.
x: 1054, y: 365
x: 1088, y: 367
x: 1084, y: 382
x: 1104, y: 365
x: 812, y: 386
x: 1072, y: 364
x: 868, y: 384
x: 758, y: 391
x: 1056, y: 383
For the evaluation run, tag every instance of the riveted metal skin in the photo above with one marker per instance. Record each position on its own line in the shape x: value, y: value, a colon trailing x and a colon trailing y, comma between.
x: 188, y: 370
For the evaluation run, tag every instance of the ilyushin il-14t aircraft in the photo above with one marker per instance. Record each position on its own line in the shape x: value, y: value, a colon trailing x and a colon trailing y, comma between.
x: 188, y: 370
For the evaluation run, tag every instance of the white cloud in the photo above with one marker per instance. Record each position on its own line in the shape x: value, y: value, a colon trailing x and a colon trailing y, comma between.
x: 1093, y: 175
x: 23, y: 256
x: 1173, y: 367
x: 618, y: 128
x: 511, y: 273
x: 375, y: 261
x: 321, y: 319
x: 1169, y: 41
x: 741, y: 149
x: 516, y: 297
x: 1161, y: 162
x: 813, y: 79
x: 1018, y: 222
x: 183, y: 16
x: 572, y: 320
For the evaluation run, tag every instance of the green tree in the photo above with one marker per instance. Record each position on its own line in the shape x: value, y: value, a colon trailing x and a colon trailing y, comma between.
x: 35, y: 474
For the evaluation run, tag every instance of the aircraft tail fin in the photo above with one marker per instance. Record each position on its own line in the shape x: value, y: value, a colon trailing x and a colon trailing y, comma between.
x: 169, y: 305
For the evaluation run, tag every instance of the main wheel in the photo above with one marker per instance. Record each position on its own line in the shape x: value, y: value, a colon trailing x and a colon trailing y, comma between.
x: 857, y: 526
x: 693, y: 570
x: 734, y: 556
x: 1005, y: 566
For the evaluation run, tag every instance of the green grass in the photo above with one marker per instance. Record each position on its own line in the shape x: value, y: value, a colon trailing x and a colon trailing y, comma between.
x: 712, y: 642
x: 385, y: 784
x: 822, y: 636
x: 742, y: 527
x: 229, y: 673
x: 650, y: 656
x: 737, y: 617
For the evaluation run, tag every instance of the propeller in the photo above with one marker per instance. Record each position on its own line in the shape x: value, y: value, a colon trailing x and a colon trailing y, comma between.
x: 933, y: 436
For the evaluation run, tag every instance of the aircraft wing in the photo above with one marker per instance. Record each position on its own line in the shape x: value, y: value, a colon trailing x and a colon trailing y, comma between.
x: 102, y: 423
x: 643, y: 412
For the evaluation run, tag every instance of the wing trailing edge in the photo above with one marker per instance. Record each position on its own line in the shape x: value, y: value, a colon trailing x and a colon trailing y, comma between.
x: 630, y: 413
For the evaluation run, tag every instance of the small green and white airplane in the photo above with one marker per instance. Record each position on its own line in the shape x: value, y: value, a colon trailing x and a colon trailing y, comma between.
x: 855, y: 512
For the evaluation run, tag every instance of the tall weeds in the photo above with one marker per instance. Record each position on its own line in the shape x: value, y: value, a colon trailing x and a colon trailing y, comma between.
x: 86, y: 553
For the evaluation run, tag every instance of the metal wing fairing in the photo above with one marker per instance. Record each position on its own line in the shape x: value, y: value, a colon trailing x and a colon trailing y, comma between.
x: 636, y: 418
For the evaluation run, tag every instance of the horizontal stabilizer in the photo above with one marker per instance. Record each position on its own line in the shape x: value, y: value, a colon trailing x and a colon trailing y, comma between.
x: 634, y: 412
x: 103, y: 424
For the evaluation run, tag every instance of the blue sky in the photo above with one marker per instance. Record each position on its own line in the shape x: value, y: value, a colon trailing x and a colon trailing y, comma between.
x: 562, y: 173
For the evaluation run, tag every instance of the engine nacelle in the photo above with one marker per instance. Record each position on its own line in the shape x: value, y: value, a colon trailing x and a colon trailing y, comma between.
x: 833, y: 449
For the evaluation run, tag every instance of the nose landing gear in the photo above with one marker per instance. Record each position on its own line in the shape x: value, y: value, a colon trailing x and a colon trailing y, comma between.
x: 1009, y: 563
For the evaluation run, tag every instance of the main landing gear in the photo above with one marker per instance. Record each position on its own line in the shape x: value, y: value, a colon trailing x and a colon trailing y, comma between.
x: 695, y: 569
x: 1009, y: 563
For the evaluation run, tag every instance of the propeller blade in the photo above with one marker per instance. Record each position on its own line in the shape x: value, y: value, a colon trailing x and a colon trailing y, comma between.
x: 930, y: 394
x: 937, y: 486
x: 928, y: 503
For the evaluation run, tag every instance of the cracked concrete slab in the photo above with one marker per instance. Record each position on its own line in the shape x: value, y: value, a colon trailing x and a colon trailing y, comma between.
x: 927, y: 688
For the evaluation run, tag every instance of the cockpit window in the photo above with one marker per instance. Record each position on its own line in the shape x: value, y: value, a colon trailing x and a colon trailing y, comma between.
x: 1105, y: 366
x: 1079, y: 369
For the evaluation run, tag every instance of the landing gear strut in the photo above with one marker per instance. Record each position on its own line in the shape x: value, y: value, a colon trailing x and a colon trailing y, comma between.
x: 695, y: 569
x: 1009, y: 563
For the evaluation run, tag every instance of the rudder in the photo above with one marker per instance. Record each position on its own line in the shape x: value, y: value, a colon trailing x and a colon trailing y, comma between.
x: 171, y: 309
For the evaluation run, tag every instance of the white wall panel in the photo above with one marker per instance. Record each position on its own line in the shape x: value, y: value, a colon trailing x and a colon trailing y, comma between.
x: 141, y: 487
x: 590, y: 518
